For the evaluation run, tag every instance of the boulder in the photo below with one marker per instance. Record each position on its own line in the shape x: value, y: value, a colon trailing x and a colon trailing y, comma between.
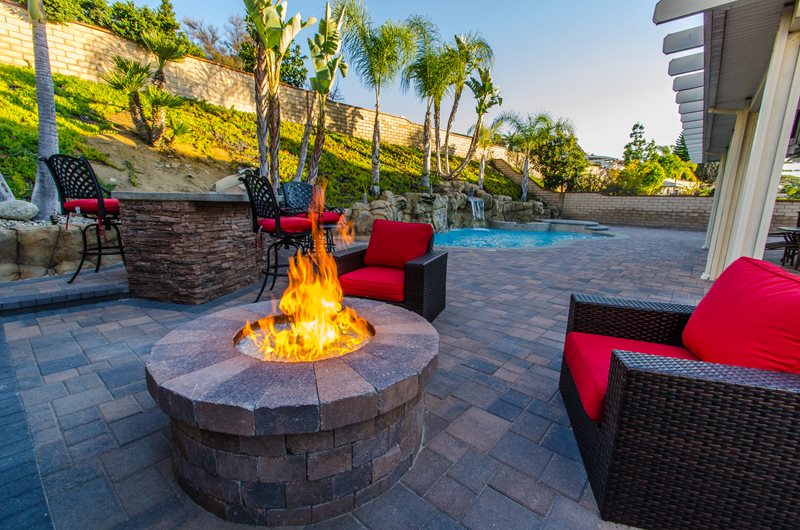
x: 8, y: 246
x: 26, y: 272
x: 18, y: 210
x: 9, y: 272
x: 36, y: 246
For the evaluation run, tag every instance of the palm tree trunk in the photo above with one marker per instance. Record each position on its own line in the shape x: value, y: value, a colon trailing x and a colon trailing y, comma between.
x: 5, y: 192
x: 274, y: 119
x: 426, y: 148
x: 375, y: 189
x: 262, y: 127
x: 473, y: 145
x: 450, y: 120
x: 482, y: 169
x: 45, y: 194
x: 526, y: 173
x: 137, y: 117
x: 319, y: 144
x: 159, y: 126
x: 437, y: 116
x: 159, y: 81
x: 311, y: 100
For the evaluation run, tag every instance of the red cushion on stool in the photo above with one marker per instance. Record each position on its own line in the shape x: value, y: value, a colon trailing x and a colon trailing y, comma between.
x: 380, y: 283
x: 327, y: 217
x: 91, y: 205
x: 291, y: 225
x: 589, y: 359
x: 393, y: 243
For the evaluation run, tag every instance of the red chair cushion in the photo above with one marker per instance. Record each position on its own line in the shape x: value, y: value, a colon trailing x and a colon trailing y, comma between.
x: 393, y: 243
x: 90, y: 205
x: 589, y: 359
x: 290, y: 225
x: 327, y: 217
x: 380, y: 283
x: 750, y: 317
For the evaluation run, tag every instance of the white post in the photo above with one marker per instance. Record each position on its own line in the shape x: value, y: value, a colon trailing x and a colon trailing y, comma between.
x: 712, y: 216
x: 762, y: 175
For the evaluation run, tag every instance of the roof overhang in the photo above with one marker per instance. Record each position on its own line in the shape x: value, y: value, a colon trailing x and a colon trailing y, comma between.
x: 727, y: 74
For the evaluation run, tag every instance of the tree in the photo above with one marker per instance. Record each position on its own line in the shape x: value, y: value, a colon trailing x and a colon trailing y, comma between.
x: 487, y: 95
x: 379, y: 55
x: 680, y: 147
x: 325, y: 48
x: 638, y: 148
x: 527, y: 133
x: 45, y: 194
x: 488, y: 137
x: 167, y: 50
x: 422, y: 74
x: 275, y: 35
x: 442, y: 62
x: 559, y: 158
x: 471, y: 52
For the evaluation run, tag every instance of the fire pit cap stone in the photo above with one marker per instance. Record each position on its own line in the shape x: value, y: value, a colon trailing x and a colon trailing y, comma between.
x: 197, y: 376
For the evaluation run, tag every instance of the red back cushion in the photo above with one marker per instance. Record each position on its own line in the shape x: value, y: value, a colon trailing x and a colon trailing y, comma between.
x: 750, y: 317
x: 392, y: 243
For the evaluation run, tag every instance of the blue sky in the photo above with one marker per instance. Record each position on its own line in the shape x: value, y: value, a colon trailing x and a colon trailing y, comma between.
x: 595, y: 62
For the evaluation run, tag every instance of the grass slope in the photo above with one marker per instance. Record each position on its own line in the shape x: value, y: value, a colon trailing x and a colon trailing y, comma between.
x: 87, y: 110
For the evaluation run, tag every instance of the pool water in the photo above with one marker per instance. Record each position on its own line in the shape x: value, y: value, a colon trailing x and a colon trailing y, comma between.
x: 496, y: 238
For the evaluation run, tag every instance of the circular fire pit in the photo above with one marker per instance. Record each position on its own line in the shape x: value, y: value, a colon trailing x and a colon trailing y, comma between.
x: 292, y: 443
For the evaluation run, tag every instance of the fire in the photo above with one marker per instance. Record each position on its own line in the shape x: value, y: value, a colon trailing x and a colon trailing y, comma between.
x: 314, y: 324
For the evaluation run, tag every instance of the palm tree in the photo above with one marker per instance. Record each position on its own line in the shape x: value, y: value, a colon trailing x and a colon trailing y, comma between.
x: 470, y: 53
x: 45, y: 195
x: 379, y: 55
x: 422, y: 74
x: 325, y: 51
x: 527, y: 132
x: 487, y: 95
x: 442, y: 63
x: 488, y: 137
x: 166, y: 49
x: 275, y: 36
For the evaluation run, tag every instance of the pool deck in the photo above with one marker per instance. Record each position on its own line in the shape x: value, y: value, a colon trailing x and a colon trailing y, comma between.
x: 84, y: 445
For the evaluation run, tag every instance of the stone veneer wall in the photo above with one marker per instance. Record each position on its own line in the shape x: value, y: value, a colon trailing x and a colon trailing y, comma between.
x: 188, y: 252
x: 85, y: 51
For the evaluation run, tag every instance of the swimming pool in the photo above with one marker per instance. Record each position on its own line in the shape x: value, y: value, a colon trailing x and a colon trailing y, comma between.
x: 498, y: 238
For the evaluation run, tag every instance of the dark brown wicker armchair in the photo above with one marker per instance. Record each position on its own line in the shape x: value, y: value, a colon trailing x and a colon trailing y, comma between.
x: 684, y: 444
x: 425, y: 278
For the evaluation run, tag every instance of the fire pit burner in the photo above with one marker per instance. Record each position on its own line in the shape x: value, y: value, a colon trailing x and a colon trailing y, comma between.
x: 274, y: 443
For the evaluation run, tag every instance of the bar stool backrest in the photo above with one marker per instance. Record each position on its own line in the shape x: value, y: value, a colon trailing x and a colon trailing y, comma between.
x: 263, y: 204
x: 75, y: 179
x: 298, y: 196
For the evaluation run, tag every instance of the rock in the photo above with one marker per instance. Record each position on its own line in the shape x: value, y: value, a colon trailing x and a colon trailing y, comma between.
x: 9, y: 272
x: 70, y: 244
x: 27, y: 272
x: 8, y: 246
x: 68, y: 266
x: 229, y: 184
x: 18, y: 210
x: 36, y: 246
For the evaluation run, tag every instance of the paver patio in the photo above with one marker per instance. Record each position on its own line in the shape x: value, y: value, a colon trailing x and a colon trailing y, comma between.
x: 84, y: 445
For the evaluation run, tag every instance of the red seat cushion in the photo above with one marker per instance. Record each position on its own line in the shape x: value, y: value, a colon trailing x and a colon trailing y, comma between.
x: 750, y: 317
x: 291, y: 225
x: 589, y: 359
x: 90, y: 205
x: 393, y: 243
x: 380, y: 283
x: 327, y: 217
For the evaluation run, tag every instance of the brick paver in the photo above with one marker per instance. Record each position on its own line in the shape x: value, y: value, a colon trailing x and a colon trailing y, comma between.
x: 498, y: 450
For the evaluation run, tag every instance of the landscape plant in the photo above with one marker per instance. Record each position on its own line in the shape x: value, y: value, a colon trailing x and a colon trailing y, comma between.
x: 379, y: 54
x: 274, y: 36
x: 45, y: 194
x: 488, y: 137
x: 325, y: 48
x: 527, y: 132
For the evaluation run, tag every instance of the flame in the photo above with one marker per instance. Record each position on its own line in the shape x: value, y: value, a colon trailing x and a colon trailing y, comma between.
x: 314, y: 325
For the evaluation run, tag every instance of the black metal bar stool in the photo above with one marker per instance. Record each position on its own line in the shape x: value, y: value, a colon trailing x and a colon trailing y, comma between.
x: 79, y: 192
x: 299, y: 198
x: 268, y: 218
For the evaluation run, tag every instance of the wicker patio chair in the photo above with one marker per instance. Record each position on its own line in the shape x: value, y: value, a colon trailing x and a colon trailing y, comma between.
x: 682, y: 443
x: 417, y: 283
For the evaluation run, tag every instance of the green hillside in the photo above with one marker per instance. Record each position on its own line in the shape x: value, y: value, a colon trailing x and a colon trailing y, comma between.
x: 88, y: 111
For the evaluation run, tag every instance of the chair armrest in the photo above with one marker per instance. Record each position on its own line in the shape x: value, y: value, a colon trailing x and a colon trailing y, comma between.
x: 426, y: 282
x: 629, y: 319
x: 349, y: 259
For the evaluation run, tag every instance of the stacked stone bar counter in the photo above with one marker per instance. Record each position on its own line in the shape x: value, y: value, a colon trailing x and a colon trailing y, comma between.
x: 188, y: 247
x: 292, y: 443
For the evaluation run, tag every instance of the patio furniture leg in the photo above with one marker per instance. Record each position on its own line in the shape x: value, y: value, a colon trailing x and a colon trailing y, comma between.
x: 99, y: 237
x: 119, y: 240
x: 83, y: 254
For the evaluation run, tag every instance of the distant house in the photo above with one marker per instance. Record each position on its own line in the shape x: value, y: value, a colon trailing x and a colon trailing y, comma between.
x: 605, y: 162
x: 676, y: 187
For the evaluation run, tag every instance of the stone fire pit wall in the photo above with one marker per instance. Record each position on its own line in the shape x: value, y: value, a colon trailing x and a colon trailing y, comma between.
x: 292, y: 443
x: 188, y: 248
